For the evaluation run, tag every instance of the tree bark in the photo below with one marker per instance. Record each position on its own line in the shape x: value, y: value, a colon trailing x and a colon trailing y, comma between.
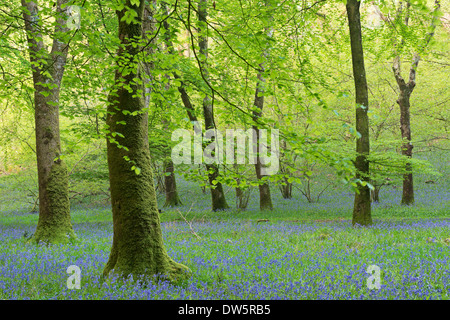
x: 362, y: 204
x: 286, y: 188
x: 54, y: 223
x: 172, y: 198
x: 138, y: 247
x: 218, y: 199
x: 181, y: 89
x: 406, y: 89
x: 375, y: 194
x: 265, y: 198
x: 170, y: 184
x: 405, y: 125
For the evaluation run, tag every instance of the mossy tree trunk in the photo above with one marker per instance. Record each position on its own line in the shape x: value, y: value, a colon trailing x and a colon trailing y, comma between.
x: 138, y: 247
x: 362, y: 204
x: 54, y: 223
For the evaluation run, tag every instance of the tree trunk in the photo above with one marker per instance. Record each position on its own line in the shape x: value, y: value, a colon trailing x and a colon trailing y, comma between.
x: 170, y: 185
x: 219, y: 201
x: 362, y: 204
x: 375, y: 194
x: 242, y: 197
x: 138, y: 247
x: 265, y: 199
x: 406, y: 89
x: 286, y: 188
x: 54, y: 223
x: 405, y: 127
x: 181, y: 89
x: 172, y: 199
x: 217, y: 194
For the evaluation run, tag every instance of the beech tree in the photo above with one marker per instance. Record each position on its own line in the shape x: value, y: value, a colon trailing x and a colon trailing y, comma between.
x: 54, y: 224
x: 265, y: 199
x: 362, y: 203
x: 219, y: 202
x: 137, y: 247
x: 406, y: 88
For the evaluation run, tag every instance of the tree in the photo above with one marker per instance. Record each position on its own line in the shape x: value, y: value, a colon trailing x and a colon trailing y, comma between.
x: 219, y: 202
x: 406, y: 88
x: 265, y: 199
x: 170, y: 183
x: 138, y: 247
x: 54, y: 223
x: 362, y: 203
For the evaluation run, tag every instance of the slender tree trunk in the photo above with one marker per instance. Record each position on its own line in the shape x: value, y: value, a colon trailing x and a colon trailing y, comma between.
x: 54, y: 223
x: 170, y: 184
x: 406, y: 89
x: 138, y: 247
x: 172, y: 198
x: 362, y: 204
x: 181, y: 89
x: 219, y: 201
x: 217, y: 194
x: 265, y: 198
x: 286, y: 189
x: 375, y: 194
x: 405, y: 125
x: 242, y: 195
x: 148, y: 24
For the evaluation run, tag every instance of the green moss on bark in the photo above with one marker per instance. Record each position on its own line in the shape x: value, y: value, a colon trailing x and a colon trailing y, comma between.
x: 138, y: 249
x: 55, y: 226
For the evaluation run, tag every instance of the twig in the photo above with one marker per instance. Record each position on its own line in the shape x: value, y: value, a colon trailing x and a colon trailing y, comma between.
x: 189, y: 223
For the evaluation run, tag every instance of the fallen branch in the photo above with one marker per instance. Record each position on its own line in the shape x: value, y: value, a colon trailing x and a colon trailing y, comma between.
x: 189, y: 223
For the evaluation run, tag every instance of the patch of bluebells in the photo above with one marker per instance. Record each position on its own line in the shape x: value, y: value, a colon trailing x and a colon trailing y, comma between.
x: 243, y: 261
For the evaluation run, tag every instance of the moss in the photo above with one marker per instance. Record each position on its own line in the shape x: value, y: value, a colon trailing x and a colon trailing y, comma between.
x: 138, y: 249
x: 54, y: 226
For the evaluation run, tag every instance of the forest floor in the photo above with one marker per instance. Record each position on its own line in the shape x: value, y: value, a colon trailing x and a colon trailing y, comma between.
x: 300, y: 250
